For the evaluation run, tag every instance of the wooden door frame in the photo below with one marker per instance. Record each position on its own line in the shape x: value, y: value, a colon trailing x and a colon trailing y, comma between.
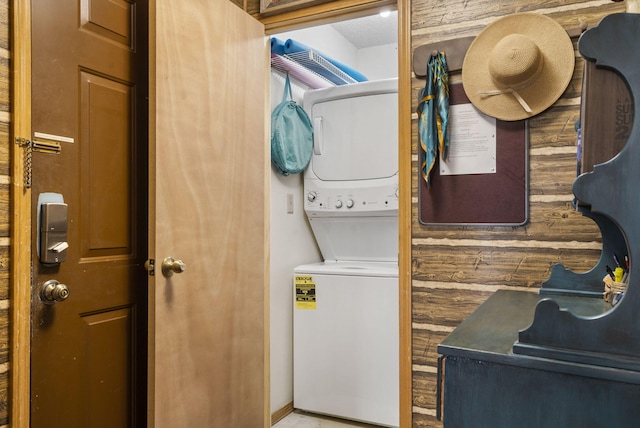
x: 404, y: 209
x: 20, y: 263
x: 340, y: 9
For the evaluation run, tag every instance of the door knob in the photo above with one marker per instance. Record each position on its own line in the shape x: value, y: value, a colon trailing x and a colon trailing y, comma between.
x: 52, y: 292
x: 171, y: 266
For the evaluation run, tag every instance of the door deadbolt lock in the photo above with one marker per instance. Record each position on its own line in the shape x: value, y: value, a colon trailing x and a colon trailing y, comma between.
x: 52, y: 292
x: 53, y: 233
x: 171, y: 266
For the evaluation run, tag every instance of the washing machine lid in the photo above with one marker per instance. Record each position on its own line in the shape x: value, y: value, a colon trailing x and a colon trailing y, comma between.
x: 389, y: 270
x: 363, y: 239
x: 355, y: 131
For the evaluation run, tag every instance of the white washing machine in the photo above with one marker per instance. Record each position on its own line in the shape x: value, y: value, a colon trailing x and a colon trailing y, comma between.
x: 345, y: 335
x: 345, y: 323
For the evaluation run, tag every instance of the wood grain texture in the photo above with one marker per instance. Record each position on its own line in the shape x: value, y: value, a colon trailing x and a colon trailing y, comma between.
x: 446, y: 307
x: 404, y: 209
x: 552, y: 220
x: 424, y: 420
x: 209, y: 205
x: 425, y: 385
x: 425, y: 344
x: 322, y: 14
x: 5, y: 149
x: 456, y: 268
x: 281, y: 413
x: 4, y: 398
x: 20, y: 262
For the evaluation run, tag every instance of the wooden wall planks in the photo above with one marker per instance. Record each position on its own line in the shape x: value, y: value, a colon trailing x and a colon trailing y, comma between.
x: 455, y: 269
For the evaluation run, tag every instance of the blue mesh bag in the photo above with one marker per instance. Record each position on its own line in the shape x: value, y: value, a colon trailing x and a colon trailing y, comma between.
x: 291, y: 135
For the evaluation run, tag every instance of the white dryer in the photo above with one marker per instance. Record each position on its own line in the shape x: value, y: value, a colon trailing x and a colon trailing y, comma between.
x: 346, y: 309
x: 351, y: 183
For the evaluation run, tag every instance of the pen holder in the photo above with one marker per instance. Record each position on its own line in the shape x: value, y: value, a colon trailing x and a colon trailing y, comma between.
x: 613, y: 291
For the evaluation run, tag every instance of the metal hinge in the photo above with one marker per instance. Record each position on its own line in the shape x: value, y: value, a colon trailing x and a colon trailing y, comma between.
x: 29, y: 147
x: 150, y: 266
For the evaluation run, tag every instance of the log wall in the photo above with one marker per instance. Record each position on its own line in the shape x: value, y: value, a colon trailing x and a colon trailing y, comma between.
x: 455, y: 269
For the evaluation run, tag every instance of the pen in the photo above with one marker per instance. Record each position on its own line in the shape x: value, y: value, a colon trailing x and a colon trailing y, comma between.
x: 610, y: 272
x: 626, y: 261
x: 617, y: 260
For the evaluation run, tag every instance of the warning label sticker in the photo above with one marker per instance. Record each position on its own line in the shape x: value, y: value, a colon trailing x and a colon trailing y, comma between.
x: 305, y: 292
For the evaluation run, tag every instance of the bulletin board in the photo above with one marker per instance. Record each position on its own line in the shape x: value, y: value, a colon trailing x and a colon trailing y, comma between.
x: 499, y: 198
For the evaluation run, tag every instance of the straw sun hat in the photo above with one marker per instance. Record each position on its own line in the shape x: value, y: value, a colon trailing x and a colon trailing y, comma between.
x: 518, y: 66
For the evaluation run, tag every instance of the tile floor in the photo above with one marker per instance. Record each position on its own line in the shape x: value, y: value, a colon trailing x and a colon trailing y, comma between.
x: 300, y: 419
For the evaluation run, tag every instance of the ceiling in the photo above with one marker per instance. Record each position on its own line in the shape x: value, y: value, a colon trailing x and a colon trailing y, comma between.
x: 370, y: 31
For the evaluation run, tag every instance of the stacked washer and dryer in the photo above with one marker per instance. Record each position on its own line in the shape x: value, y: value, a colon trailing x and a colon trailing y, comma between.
x: 346, y: 347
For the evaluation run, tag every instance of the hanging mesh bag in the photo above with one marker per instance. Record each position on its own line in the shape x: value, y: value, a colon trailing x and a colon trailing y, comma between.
x: 291, y: 135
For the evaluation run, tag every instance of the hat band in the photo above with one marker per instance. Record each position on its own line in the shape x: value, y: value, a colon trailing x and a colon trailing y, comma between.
x: 512, y: 91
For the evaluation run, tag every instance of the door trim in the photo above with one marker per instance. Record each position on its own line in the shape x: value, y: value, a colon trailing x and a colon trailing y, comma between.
x: 404, y: 208
x: 324, y: 13
x: 20, y: 265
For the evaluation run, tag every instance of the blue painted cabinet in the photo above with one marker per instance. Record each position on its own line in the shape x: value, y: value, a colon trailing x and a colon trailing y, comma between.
x: 564, y: 357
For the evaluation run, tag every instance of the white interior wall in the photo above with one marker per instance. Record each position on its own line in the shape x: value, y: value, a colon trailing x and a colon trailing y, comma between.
x: 378, y: 62
x: 292, y: 242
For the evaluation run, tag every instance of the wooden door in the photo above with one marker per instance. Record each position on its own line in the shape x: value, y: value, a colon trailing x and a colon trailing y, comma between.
x: 88, y: 359
x: 209, y: 175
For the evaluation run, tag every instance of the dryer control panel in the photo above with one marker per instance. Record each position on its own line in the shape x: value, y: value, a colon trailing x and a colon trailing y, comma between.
x: 321, y: 199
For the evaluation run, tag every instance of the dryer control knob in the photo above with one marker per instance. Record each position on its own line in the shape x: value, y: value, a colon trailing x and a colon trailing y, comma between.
x: 311, y: 196
x: 350, y: 203
x: 338, y: 203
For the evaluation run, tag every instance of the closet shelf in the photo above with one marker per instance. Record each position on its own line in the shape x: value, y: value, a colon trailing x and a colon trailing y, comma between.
x: 312, y: 62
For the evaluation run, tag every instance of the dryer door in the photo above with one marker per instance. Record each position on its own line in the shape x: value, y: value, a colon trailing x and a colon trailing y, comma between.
x: 356, y: 137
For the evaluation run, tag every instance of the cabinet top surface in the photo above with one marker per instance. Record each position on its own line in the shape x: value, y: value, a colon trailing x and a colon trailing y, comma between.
x: 493, y: 327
